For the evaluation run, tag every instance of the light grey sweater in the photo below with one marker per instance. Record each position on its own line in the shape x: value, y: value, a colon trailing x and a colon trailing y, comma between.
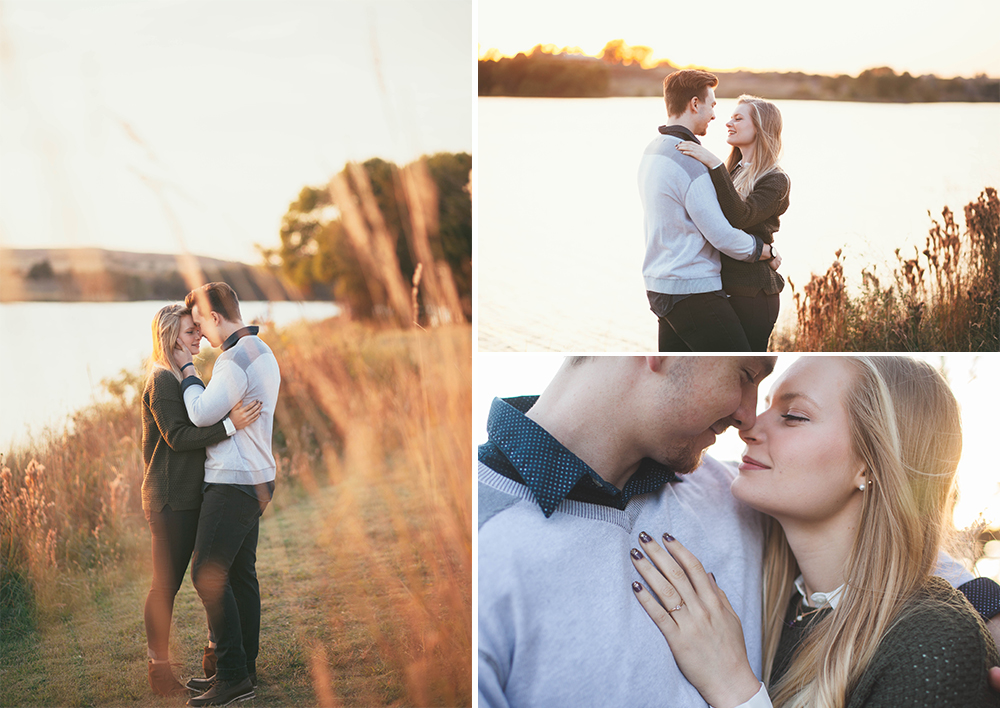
x: 558, y: 622
x: 245, y: 372
x: 684, y: 225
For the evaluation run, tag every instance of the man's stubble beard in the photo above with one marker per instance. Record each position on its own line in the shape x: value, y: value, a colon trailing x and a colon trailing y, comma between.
x: 684, y: 460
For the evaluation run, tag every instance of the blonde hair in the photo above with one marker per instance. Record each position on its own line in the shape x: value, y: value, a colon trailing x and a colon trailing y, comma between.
x: 905, y: 426
x: 166, y: 328
x: 767, y: 144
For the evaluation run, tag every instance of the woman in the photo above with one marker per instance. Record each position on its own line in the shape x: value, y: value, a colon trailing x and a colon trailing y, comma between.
x: 854, y: 462
x: 174, y: 453
x: 753, y: 193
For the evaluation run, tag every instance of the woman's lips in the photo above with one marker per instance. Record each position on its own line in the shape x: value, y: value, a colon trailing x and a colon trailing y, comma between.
x: 749, y: 463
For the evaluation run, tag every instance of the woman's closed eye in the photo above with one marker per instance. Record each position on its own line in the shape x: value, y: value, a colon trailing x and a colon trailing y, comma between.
x: 794, y: 418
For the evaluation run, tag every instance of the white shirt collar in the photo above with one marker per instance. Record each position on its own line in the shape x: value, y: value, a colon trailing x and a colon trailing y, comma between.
x: 818, y: 599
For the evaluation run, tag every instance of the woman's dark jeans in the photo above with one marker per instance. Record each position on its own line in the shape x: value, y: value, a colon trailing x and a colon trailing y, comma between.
x: 757, y: 316
x: 173, y: 535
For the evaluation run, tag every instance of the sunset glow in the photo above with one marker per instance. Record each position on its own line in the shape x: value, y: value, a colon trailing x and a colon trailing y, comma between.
x: 779, y: 35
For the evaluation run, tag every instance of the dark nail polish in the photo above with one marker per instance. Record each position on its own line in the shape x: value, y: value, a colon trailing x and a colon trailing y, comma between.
x: 645, y: 537
x: 668, y: 538
x: 636, y: 587
x: 637, y: 554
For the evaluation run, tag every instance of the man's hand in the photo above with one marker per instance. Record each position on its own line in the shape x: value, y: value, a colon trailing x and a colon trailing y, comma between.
x: 775, y: 259
x: 995, y: 678
x: 181, y: 355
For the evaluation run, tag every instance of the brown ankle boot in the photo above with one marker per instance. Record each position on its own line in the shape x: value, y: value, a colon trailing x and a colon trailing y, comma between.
x: 208, y: 662
x: 162, y: 681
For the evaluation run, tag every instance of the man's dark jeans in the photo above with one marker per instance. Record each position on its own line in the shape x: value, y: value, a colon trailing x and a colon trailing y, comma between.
x: 224, y: 574
x: 704, y: 322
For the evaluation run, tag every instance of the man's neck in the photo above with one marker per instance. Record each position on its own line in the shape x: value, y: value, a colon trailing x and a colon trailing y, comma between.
x: 589, y: 421
x: 226, y: 328
x: 687, y: 120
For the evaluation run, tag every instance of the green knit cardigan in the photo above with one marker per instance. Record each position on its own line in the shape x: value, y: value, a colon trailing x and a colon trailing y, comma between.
x: 172, y: 447
x: 937, y: 655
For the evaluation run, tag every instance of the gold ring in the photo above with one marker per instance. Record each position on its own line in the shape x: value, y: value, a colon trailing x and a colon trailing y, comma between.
x: 678, y: 607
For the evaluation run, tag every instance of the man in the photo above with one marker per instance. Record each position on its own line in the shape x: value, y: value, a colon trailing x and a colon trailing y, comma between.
x: 567, y: 482
x: 685, y: 228
x: 239, y: 483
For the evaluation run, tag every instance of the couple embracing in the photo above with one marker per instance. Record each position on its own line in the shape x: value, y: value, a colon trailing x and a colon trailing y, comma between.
x: 618, y: 566
x: 209, y: 476
x: 710, y: 266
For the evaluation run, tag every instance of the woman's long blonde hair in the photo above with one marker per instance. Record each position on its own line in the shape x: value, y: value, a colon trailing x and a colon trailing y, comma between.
x: 166, y: 328
x: 905, y: 426
x: 767, y: 144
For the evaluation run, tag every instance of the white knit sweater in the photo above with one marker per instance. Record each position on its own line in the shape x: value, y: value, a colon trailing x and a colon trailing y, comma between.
x: 246, y: 372
x: 684, y: 225
x: 558, y: 622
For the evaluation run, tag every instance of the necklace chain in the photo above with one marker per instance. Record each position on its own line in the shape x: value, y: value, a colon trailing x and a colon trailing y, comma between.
x: 800, y: 615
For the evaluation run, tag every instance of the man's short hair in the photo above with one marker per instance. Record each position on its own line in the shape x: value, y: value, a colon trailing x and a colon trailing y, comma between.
x: 681, y: 86
x: 221, y: 299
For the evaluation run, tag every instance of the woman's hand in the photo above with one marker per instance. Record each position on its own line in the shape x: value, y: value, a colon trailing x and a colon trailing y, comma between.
x: 696, y: 619
x: 181, y: 354
x: 242, y: 416
x: 700, y: 153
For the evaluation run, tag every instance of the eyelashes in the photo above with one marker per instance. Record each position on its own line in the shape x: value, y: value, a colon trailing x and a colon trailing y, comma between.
x: 794, y: 418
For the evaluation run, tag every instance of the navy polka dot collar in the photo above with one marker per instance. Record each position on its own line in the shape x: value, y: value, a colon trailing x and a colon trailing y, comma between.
x: 521, y: 449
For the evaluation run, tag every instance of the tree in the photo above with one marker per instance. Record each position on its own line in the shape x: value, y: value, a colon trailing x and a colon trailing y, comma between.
x: 320, y: 241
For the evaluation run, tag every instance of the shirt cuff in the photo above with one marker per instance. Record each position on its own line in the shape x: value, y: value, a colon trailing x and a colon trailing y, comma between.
x: 984, y: 595
x: 230, y: 428
x: 760, y: 700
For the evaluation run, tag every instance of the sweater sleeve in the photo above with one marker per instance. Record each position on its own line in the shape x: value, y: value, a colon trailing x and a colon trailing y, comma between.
x: 207, y: 405
x: 172, y: 421
x: 761, y: 204
x: 702, y: 205
x: 937, y: 657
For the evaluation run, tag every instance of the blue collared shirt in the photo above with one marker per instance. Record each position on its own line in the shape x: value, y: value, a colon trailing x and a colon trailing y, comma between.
x: 522, y: 450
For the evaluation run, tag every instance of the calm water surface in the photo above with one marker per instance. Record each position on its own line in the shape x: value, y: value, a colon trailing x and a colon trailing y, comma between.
x: 54, y: 355
x: 560, y: 240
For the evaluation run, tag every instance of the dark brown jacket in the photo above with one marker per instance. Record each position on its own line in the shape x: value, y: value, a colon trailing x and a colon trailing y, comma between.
x: 172, y: 447
x: 758, y: 214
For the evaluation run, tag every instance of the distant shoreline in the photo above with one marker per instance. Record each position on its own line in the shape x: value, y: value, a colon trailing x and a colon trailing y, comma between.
x: 101, y: 275
x: 544, y: 75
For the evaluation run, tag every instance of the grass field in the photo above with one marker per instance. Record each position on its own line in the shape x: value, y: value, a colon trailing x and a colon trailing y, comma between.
x: 364, y: 556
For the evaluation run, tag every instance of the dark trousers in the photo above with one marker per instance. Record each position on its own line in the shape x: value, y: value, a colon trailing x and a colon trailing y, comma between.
x: 757, y: 315
x: 173, y: 535
x: 704, y: 322
x: 225, y: 575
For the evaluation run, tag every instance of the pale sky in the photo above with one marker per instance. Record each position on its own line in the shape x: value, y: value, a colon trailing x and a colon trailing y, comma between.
x: 845, y: 37
x: 154, y: 125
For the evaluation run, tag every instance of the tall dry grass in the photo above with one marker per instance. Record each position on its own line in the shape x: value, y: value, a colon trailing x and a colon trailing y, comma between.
x: 943, y: 298
x: 381, y: 415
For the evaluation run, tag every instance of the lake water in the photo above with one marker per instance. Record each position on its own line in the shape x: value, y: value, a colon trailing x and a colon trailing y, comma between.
x: 560, y: 241
x: 54, y: 355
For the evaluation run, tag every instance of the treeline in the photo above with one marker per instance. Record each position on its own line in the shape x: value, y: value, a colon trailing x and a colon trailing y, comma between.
x: 622, y: 70
x: 384, y: 240
x: 43, y: 282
